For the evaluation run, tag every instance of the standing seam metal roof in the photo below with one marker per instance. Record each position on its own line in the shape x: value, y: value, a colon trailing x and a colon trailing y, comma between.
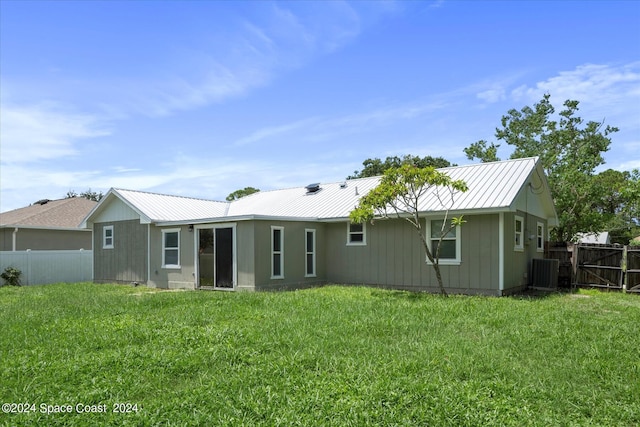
x: 491, y: 186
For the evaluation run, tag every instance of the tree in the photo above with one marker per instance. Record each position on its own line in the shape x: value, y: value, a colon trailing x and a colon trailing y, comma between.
x: 241, y: 193
x: 480, y: 151
x: 398, y: 196
x: 88, y: 194
x: 569, y: 151
x: 376, y: 167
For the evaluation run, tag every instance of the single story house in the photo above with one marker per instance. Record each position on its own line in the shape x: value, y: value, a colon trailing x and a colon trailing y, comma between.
x: 47, y: 225
x: 302, y: 237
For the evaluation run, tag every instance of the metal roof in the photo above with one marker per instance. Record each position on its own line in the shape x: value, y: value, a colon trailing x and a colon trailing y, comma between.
x: 492, y: 186
x: 162, y: 207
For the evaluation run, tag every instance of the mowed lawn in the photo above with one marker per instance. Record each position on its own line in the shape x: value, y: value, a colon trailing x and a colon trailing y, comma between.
x: 335, y: 356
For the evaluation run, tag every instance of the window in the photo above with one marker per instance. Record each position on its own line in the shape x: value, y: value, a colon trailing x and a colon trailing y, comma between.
x: 518, y: 234
x: 277, y: 252
x: 310, y: 253
x: 107, y: 237
x: 171, y: 248
x: 356, y: 234
x: 540, y: 237
x: 450, y: 245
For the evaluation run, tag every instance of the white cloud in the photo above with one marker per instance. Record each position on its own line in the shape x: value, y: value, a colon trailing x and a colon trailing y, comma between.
x: 44, y: 131
x: 589, y: 83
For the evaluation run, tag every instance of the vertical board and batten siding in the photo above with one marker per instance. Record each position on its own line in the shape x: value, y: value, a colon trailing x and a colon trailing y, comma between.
x: 394, y: 257
x: 294, y: 255
x: 172, y: 278
x: 126, y: 262
x: 44, y: 267
x: 517, y: 273
x: 246, y: 255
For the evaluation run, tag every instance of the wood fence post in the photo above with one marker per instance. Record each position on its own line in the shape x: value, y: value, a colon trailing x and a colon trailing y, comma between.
x: 624, y: 278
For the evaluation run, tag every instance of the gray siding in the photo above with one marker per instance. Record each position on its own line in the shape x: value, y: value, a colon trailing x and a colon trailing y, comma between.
x: 44, y: 240
x: 294, y: 255
x: 518, y: 263
x: 394, y: 257
x: 182, y: 277
x: 127, y: 261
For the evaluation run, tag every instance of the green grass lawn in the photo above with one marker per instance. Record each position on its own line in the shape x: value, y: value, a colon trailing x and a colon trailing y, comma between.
x: 329, y: 356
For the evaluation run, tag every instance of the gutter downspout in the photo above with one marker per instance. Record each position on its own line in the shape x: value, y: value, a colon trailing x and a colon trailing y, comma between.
x: 14, y: 240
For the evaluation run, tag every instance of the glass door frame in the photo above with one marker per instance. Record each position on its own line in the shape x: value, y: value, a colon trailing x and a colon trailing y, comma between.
x: 196, y: 251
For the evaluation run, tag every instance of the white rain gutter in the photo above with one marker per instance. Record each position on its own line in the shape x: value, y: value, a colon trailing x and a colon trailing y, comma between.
x: 14, y: 239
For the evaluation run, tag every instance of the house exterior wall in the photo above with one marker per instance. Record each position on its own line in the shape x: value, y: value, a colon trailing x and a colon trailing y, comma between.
x: 38, y: 239
x: 182, y: 277
x: 294, y: 255
x: 126, y: 262
x: 517, y: 274
x: 394, y: 257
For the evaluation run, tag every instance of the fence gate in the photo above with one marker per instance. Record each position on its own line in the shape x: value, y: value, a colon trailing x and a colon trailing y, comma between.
x: 607, y: 266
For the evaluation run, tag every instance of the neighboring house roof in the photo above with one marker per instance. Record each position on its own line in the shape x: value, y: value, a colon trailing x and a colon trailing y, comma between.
x: 62, y: 213
x: 600, y: 238
x: 492, y: 186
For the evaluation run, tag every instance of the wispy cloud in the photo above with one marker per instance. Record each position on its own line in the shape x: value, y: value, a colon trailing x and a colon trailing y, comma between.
x: 45, y: 131
x: 317, y: 129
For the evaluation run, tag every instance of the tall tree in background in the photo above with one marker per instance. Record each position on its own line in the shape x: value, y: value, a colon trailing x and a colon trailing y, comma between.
x: 377, y: 167
x: 569, y: 150
x: 88, y: 194
x: 398, y: 195
x: 241, y: 193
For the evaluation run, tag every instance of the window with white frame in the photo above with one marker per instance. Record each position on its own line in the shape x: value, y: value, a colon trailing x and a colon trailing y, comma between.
x: 107, y: 237
x: 518, y: 229
x: 356, y: 234
x: 450, y: 246
x: 277, y: 252
x: 171, y: 248
x: 310, y: 253
x: 540, y: 237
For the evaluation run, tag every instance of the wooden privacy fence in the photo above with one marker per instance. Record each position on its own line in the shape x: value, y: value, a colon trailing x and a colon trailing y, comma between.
x: 597, y: 265
x: 43, y: 267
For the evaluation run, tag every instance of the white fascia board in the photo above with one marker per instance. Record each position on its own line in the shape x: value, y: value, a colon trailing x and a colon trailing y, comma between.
x: 222, y: 219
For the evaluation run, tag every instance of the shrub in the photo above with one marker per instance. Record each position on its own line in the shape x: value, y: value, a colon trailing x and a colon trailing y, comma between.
x: 11, y: 276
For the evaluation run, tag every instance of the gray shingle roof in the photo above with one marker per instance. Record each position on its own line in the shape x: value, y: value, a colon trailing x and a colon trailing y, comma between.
x: 62, y: 213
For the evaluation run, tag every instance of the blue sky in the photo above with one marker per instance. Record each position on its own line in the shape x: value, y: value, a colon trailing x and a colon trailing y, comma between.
x: 202, y: 98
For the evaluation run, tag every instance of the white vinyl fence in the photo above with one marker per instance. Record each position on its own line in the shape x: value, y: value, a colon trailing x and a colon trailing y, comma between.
x: 43, y: 267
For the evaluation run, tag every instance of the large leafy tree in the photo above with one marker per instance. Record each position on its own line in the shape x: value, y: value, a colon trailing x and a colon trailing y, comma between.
x: 241, y: 193
x: 398, y: 196
x: 376, y: 167
x: 570, y: 151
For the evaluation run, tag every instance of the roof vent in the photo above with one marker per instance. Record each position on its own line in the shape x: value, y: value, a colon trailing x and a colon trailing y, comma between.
x: 42, y: 202
x: 313, y: 188
x: 343, y: 184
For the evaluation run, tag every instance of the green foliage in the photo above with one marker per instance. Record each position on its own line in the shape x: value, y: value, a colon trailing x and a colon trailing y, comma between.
x: 331, y: 356
x: 479, y: 150
x: 399, y: 193
x: 569, y: 150
x: 377, y: 167
x: 11, y: 276
x: 241, y: 193
x: 88, y: 194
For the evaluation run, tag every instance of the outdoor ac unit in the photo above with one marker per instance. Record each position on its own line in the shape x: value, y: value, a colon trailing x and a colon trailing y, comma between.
x: 544, y: 273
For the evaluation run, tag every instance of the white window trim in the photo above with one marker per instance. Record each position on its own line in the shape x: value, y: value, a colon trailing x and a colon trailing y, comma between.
x: 104, y: 237
x: 540, y: 237
x: 312, y: 253
x: 281, y: 252
x: 518, y: 247
x: 164, y: 248
x: 364, y: 235
x: 447, y: 261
